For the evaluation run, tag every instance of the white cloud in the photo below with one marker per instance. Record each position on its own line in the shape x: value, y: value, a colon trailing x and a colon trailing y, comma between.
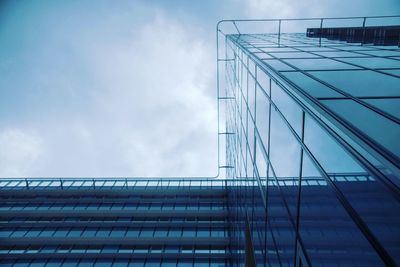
x: 158, y: 92
x: 122, y: 100
x: 282, y: 8
x: 19, y: 153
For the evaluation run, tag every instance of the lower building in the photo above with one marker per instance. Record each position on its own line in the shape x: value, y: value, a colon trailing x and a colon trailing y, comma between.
x: 131, y: 222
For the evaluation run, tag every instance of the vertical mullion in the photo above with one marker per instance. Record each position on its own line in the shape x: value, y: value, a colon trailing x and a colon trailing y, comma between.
x: 297, y: 240
x: 267, y: 174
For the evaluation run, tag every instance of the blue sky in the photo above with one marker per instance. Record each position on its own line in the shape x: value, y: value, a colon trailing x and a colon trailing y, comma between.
x: 122, y: 88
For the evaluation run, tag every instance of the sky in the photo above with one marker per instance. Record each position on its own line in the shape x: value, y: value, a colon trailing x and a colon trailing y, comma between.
x: 122, y: 88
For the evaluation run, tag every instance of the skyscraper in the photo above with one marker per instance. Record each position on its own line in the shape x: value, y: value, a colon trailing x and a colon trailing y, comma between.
x: 314, y: 153
x: 309, y: 123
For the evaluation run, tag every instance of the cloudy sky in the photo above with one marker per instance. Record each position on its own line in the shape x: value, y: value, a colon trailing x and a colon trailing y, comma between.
x: 122, y: 88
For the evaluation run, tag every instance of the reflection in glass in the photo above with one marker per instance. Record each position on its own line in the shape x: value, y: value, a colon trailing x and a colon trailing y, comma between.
x: 330, y: 155
x: 368, y: 122
x: 311, y: 86
x: 328, y: 233
x: 361, y: 82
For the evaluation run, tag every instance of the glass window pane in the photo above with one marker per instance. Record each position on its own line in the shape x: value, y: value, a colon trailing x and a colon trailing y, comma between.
x: 382, y: 53
x: 262, y: 117
x: 290, y: 110
x: 325, y: 224
x: 361, y: 83
x: 373, y: 62
x: 318, y: 64
x: 384, y: 131
x: 389, y: 105
x: 330, y: 155
x: 285, y: 150
x: 310, y: 86
x: 293, y: 55
x: 277, y: 65
x: 331, y: 54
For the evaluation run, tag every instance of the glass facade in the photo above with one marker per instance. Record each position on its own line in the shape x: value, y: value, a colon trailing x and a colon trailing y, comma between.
x: 132, y: 222
x: 314, y: 153
x: 310, y: 127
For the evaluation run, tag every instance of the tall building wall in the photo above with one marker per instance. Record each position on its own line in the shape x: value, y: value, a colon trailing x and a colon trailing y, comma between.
x: 136, y: 222
x: 314, y: 149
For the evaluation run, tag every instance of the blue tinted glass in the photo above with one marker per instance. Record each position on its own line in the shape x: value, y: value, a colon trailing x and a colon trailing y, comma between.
x: 103, y: 233
x: 310, y: 86
x: 74, y: 233
x: 373, y: 62
x: 22, y: 263
x: 152, y: 263
x: 61, y: 232
x: 33, y: 233
x: 5, y: 233
x: 185, y: 263
x: 353, y: 48
x: 394, y: 72
x: 318, y: 64
x: 203, y: 233
x: 263, y: 55
x: 120, y: 263
x: 7, y: 208
x: 361, y: 83
x: 261, y: 163
x: 328, y: 153
x: 86, y: 263
x: 277, y: 65
x: 262, y: 115
x: 147, y: 233
x: 110, y: 249
x: 290, y: 110
x: 103, y: 263
x: 189, y: 233
x: 168, y: 263
x: 118, y: 232
x: 174, y: 233
x: 279, y: 49
x: 285, y: 150
x: 161, y: 232
x: 338, y: 54
x: 389, y: 105
x: 70, y: 263
x: 217, y: 263
x: 383, y: 131
x: 89, y: 232
x: 382, y: 53
x: 8, y: 263
x: 324, y: 222
x: 38, y: 263
x: 19, y: 233
x: 294, y: 55
x: 317, y: 49
x: 136, y: 263
x: 53, y: 263
x: 263, y: 81
x: 47, y: 232
x: 219, y: 232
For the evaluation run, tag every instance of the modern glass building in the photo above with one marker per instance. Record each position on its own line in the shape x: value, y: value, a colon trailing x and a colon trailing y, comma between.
x: 309, y: 166
x: 313, y: 140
